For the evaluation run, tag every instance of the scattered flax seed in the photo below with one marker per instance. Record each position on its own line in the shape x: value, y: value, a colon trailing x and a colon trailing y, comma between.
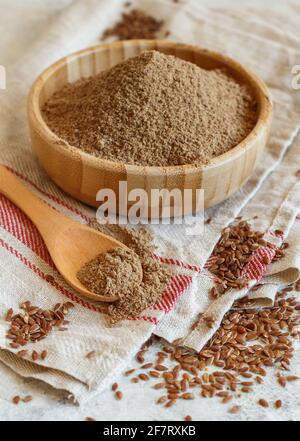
x: 263, y: 403
x: 143, y: 377
x: 88, y: 418
x: 147, y: 366
x: 119, y: 395
x: 227, y: 399
x: 292, y: 378
x: 209, y: 320
x: 231, y: 255
x: 114, y: 387
x: 27, y: 398
x: 134, y: 380
x: 188, y: 418
x: 9, y: 315
x: 281, y: 380
x: 134, y: 24
x: 170, y: 403
x: 22, y: 353
x: 160, y: 367
x: 154, y: 374
x: 140, y: 357
x: 278, y: 404
x: 34, y: 323
x: 246, y: 389
x: 34, y: 355
x: 16, y: 399
x: 91, y: 354
x: 177, y: 341
x: 234, y: 359
x: 162, y: 400
x: 188, y: 396
x: 129, y: 372
x: 43, y: 354
x: 259, y: 380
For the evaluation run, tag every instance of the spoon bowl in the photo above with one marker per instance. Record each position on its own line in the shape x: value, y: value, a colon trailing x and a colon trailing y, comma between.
x: 69, y: 243
x: 75, y: 246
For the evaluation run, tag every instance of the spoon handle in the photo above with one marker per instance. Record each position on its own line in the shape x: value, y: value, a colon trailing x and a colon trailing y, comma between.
x: 45, y: 218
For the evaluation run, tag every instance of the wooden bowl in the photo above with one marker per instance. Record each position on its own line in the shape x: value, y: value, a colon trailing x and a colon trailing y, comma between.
x: 83, y: 175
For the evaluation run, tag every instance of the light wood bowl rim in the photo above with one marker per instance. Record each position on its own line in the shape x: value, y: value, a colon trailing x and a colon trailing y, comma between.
x: 264, y: 101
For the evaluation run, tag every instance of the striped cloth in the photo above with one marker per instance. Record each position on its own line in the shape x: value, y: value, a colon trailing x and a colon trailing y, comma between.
x: 25, y: 262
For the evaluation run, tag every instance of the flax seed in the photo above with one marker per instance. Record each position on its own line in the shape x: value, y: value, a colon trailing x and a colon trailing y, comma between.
x: 9, y: 315
x: 278, y: 404
x: 91, y: 354
x: 154, y: 374
x: 118, y: 395
x: 147, y: 366
x: 170, y: 403
x: 129, y: 372
x: 160, y: 367
x: 43, y: 355
x: 114, y: 387
x: 16, y: 399
x: 281, y: 380
x: 188, y: 396
x: 227, y: 399
x: 292, y: 378
x: 34, y: 355
x: 22, y: 353
x: 144, y: 377
x: 158, y: 386
x: 162, y: 400
x: 188, y: 418
x: 263, y: 403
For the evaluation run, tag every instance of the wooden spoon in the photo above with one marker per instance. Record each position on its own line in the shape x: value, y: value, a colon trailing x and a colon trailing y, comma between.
x: 69, y: 243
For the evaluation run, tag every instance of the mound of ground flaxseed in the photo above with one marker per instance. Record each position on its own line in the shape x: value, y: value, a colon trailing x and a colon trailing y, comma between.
x: 132, y: 274
x: 153, y: 110
x: 111, y: 273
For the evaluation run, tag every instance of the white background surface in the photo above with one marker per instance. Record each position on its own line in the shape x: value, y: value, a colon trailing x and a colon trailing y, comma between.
x: 138, y: 402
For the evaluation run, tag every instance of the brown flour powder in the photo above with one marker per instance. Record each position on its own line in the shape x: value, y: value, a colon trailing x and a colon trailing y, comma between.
x: 112, y: 273
x: 134, y: 24
x: 153, y: 109
x: 132, y: 274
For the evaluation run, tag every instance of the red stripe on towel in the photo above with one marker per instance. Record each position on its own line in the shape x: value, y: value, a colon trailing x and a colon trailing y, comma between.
x: 15, y: 222
x: 177, y: 263
x: 256, y: 268
x: 177, y: 286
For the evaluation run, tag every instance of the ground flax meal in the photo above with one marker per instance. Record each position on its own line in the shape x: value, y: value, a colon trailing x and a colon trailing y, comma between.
x: 134, y: 24
x: 112, y: 272
x: 132, y: 274
x: 153, y: 110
